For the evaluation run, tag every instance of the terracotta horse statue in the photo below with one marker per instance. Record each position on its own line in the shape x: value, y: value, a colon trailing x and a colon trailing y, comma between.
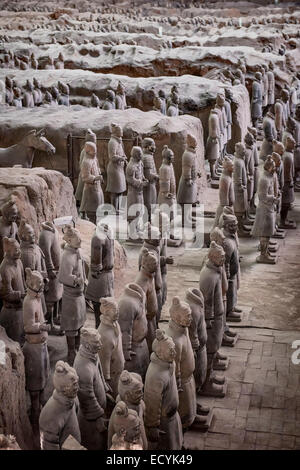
x: 23, y: 152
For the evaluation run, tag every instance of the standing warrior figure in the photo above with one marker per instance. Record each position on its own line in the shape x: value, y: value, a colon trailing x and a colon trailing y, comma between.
x: 280, y: 121
x: 188, y: 188
x: 240, y: 187
x: 12, y: 290
x: 36, y: 358
x: 162, y: 420
x: 58, y: 418
x: 8, y: 226
x: 180, y: 321
x: 37, y: 92
x: 90, y: 136
x: 257, y: 98
x: 271, y: 84
x: 92, y: 391
x: 264, y: 225
x: 111, y: 354
x: 226, y: 192
x: 92, y: 196
x: 150, y: 173
x: 116, y: 181
x: 213, y: 146
x: 228, y: 101
x: 173, y: 107
x: 101, y: 276
x: 232, y: 266
x: 264, y: 69
x: 249, y: 165
x: 72, y: 276
x: 270, y: 133
x: 133, y: 324
x: 253, y: 131
x: 109, y: 103
x: 50, y: 245
x: 146, y: 279
x: 211, y: 285
x: 297, y: 147
x: 120, y: 97
x: 136, y: 182
x: 28, y: 100
x: 167, y: 183
x: 288, y: 195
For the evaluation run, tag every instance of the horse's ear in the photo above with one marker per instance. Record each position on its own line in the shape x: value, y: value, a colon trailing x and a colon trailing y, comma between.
x: 33, y: 131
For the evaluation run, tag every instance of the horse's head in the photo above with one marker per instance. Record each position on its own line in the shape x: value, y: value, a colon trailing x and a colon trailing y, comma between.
x: 37, y: 140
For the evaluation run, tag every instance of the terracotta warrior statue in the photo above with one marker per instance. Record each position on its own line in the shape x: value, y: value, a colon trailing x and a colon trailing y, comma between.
x: 109, y: 103
x: 116, y: 181
x: 198, y: 334
x: 31, y: 254
x: 264, y: 69
x: 264, y: 225
x: 257, y: 99
x: 213, y: 146
x: 9, y: 94
x: 134, y: 327
x: 220, y: 107
x: 36, y: 358
x: 17, y: 99
x: 180, y: 321
x: 146, y: 278
x: 228, y: 101
x: 270, y: 133
x: 173, y: 106
x: 92, y: 195
x: 167, y: 183
x: 91, y: 392
x: 136, y: 182
x: 72, y: 275
x: 162, y: 97
x: 120, y: 97
x: 253, y: 131
x: 64, y: 94
x: 150, y: 173
x: 58, y: 418
x: 111, y: 354
x: 210, y: 285
x: 90, y: 136
x: 226, y: 192
x: 188, y: 187
x: 288, y: 195
x: 240, y: 188
x: 37, y: 92
x: 101, y: 276
x: 95, y: 102
x: 152, y: 243
x: 8, y: 226
x: 127, y: 421
x: 280, y: 121
x: 285, y: 96
x: 297, y: 148
x: 12, y: 290
x: 232, y: 266
x: 130, y: 391
x: 271, y: 84
x: 162, y: 420
x: 162, y: 222
x: 50, y: 245
x: 249, y: 165
x: 28, y: 100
